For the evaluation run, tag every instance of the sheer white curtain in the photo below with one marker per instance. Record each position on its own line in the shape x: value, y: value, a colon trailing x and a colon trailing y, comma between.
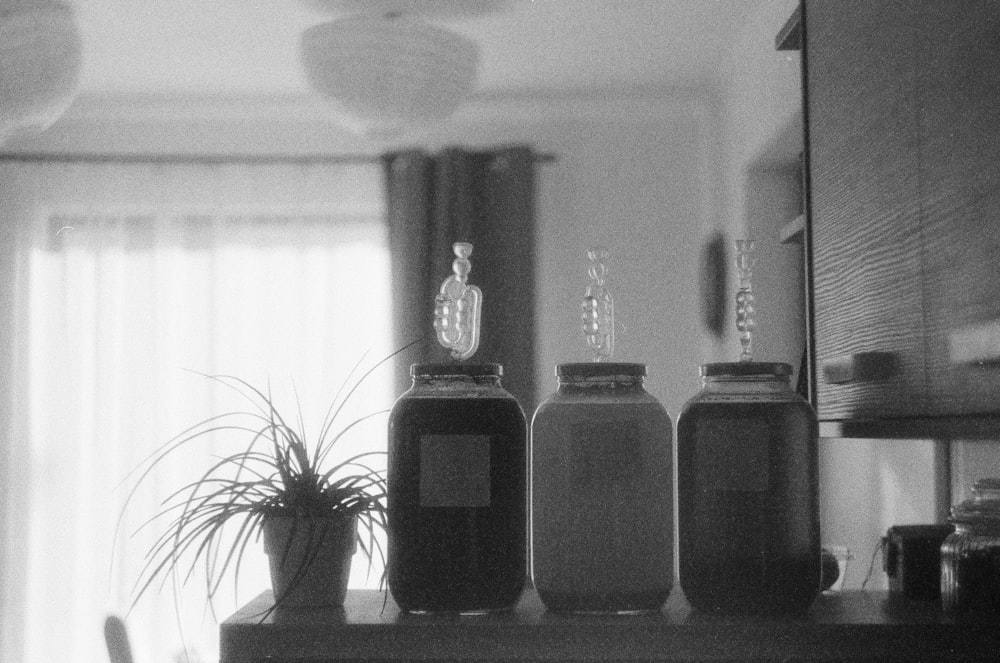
x: 123, y: 281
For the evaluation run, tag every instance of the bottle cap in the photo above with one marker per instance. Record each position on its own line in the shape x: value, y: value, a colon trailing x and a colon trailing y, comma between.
x: 463, y: 370
x: 597, y: 369
x: 982, y: 508
x: 746, y: 368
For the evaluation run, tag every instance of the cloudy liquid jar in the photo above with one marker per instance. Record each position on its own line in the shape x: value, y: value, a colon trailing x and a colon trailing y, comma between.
x: 602, y: 493
x: 457, y: 492
x: 748, y: 515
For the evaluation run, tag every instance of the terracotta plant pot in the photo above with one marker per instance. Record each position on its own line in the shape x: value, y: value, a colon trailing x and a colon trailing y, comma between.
x: 310, y: 559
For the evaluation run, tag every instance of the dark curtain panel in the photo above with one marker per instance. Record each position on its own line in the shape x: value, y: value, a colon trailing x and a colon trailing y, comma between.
x: 486, y: 198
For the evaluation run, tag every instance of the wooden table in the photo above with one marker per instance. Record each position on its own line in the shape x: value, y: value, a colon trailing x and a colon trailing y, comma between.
x: 849, y: 626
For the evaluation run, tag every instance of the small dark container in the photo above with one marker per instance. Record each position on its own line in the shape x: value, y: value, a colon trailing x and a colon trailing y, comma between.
x: 457, y: 492
x: 911, y: 557
x: 748, y: 493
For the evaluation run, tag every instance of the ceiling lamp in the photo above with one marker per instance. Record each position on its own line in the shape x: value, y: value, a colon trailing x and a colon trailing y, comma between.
x: 388, y: 73
x: 40, y: 59
x: 425, y: 8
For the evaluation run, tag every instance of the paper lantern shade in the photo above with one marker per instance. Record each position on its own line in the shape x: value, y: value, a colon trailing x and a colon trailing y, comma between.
x: 386, y: 74
x: 40, y: 61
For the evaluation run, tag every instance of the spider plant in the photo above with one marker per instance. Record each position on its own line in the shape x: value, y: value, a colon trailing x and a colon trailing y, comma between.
x: 212, y: 521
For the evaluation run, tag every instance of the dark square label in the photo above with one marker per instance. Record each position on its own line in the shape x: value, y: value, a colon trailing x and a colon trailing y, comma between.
x: 454, y: 470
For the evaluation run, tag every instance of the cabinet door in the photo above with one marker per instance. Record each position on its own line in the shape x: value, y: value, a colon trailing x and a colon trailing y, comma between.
x: 864, y: 208
x: 960, y: 190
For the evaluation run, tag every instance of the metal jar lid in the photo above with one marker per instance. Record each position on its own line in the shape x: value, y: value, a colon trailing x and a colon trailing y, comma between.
x: 983, y: 508
x: 599, y: 369
x: 438, y: 370
x: 746, y: 368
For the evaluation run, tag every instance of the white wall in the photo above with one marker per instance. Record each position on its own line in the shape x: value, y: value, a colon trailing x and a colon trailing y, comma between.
x: 763, y: 139
x: 634, y: 174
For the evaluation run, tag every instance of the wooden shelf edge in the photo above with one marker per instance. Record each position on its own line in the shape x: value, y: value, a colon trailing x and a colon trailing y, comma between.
x: 966, y: 427
x: 857, y: 626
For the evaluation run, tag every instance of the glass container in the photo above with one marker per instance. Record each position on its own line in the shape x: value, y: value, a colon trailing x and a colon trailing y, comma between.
x: 602, y: 492
x: 457, y: 492
x: 970, y: 556
x: 748, y: 516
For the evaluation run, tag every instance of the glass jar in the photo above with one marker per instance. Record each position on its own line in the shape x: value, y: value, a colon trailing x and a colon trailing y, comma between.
x: 970, y: 556
x: 457, y: 492
x: 602, y: 493
x: 748, y: 514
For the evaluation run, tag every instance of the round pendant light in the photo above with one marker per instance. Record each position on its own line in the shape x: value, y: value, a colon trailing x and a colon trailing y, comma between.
x: 40, y: 61
x: 424, y: 8
x: 387, y: 73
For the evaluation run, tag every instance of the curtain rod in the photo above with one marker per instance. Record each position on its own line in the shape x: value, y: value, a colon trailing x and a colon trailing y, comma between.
x: 208, y: 158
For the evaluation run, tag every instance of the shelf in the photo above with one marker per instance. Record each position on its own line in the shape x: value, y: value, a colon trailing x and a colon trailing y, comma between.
x: 793, y: 230
x: 859, y: 626
x: 969, y: 427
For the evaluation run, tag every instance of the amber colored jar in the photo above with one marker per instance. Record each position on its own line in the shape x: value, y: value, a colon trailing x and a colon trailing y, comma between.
x: 602, y: 493
x: 457, y: 492
x: 970, y: 556
x: 748, y: 514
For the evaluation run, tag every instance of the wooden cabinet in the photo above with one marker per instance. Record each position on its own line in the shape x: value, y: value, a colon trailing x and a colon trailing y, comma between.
x: 960, y: 119
x: 902, y: 107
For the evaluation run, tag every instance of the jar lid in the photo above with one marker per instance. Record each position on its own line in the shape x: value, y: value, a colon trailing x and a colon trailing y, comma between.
x: 746, y: 368
x: 970, y: 512
x: 986, y: 489
x: 983, y: 507
x: 599, y: 368
x: 463, y: 370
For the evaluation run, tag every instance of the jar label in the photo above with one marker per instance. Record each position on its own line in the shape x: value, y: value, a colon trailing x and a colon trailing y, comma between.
x: 733, y: 453
x: 604, y: 453
x: 454, y: 470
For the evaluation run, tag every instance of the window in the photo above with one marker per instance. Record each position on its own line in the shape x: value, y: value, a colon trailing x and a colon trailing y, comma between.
x: 135, y: 279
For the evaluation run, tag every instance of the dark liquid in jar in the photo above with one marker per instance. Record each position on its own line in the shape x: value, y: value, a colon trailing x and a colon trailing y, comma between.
x: 748, y: 519
x: 464, y: 558
x: 977, y: 585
